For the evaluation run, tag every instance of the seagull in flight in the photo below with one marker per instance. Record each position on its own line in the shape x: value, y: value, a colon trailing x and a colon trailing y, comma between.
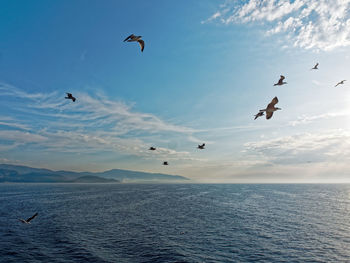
x: 271, y: 108
x: 280, y: 81
x: 70, y: 97
x: 261, y: 113
x: 165, y: 163
x: 341, y: 82
x: 316, y: 66
x: 133, y: 38
x: 27, y: 221
x: 201, y: 146
x: 152, y: 148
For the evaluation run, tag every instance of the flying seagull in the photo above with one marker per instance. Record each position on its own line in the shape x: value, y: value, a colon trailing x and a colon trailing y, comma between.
x: 261, y: 113
x: 27, y: 221
x: 133, y: 38
x: 152, y: 148
x: 70, y: 97
x: 271, y: 108
x: 341, y: 82
x: 201, y: 146
x: 165, y: 163
x: 280, y: 81
x: 316, y: 66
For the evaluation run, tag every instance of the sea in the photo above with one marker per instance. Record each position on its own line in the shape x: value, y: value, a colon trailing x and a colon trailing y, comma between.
x: 175, y: 223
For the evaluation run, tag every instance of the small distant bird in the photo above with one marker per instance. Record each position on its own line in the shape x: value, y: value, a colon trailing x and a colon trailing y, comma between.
x: 271, y: 108
x: 133, y: 38
x: 27, y: 221
x: 152, y: 148
x: 165, y: 163
x: 70, y: 97
x: 261, y: 113
x: 201, y: 146
x: 316, y: 66
x: 280, y: 81
x: 341, y: 82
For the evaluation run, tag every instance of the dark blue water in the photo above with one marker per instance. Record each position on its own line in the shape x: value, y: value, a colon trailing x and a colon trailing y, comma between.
x: 175, y: 223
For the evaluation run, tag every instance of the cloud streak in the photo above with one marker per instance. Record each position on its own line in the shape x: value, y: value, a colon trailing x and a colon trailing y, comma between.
x: 330, y: 146
x: 309, y: 24
x: 94, y: 123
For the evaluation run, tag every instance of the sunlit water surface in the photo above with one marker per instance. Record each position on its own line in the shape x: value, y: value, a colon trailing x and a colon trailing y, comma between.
x: 175, y: 223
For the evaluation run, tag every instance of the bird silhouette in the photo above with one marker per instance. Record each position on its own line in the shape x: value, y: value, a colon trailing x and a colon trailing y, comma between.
x: 201, y: 147
x: 340, y: 83
x: 270, y: 109
x: 280, y: 81
x: 133, y: 38
x: 316, y: 66
x: 259, y: 114
x: 27, y: 221
x: 152, y: 148
x: 165, y: 163
x: 70, y: 97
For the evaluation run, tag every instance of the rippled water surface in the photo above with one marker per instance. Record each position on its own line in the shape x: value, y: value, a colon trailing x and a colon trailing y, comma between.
x: 175, y: 223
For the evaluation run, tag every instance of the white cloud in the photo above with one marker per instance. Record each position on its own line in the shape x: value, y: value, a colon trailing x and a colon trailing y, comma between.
x: 331, y: 146
x: 213, y: 17
x: 305, y: 119
x: 320, y: 24
x: 89, y: 125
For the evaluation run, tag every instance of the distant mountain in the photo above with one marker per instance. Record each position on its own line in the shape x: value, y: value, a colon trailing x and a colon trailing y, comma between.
x: 24, y: 174
x: 93, y: 179
x: 126, y: 175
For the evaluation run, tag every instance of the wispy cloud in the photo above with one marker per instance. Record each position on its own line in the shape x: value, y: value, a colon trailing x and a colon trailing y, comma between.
x: 320, y: 24
x: 327, y: 146
x: 94, y: 123
x: 305, y: 119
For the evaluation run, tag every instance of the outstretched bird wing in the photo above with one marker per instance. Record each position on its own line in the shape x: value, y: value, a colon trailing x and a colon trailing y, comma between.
x: 32, y: 217
x: 128, y: 37
x: 280, y: 81
x: 273, y: 102
x: 142, y: 44
x: 261, y: 113
x: 269, y: 115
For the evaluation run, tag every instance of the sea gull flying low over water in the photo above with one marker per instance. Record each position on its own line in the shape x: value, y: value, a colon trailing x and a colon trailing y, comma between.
x: 152, y: 148
x: 70, y: 97
x: 165, y: 163
x: 271, y: 108
x: 340, y: 83
x: 133, y: 38
x: 280, y: 81
x: 261, y: 113
x: 27, y: 221
x: 316, y: 66
x: 201, y: 146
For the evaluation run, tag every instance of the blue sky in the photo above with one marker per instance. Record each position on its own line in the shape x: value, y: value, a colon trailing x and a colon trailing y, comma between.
x: 207, y: 68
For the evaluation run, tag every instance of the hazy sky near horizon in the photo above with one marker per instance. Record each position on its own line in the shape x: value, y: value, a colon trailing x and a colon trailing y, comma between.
x: 207, y: 68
